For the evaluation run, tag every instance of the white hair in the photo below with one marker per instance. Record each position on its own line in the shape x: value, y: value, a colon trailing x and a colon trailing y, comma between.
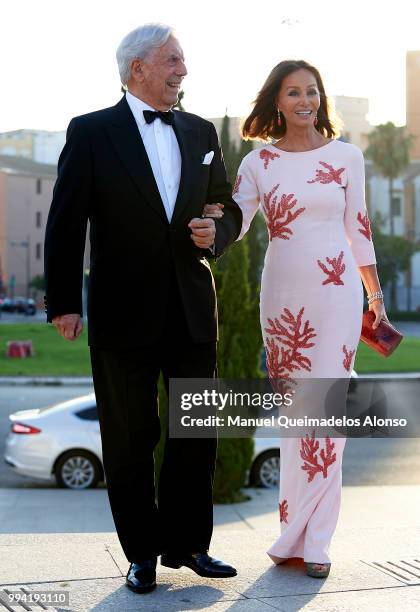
x: 138, y: 43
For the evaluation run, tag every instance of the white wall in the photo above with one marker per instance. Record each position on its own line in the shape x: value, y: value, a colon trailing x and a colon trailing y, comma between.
x: 48, y: 146
x: 379, y: 201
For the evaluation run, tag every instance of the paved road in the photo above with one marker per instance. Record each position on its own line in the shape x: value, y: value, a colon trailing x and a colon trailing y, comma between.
x: 408, y: 328
x: 371, y: 461
x: 12, y: 317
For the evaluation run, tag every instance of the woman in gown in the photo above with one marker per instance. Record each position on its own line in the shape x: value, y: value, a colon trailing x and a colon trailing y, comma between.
x: 310, y: 189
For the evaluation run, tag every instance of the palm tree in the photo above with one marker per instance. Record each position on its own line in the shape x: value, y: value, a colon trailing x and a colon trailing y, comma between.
x: 389, y: 149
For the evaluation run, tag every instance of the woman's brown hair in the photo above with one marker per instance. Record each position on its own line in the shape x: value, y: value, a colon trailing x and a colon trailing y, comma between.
x: 262, y: 122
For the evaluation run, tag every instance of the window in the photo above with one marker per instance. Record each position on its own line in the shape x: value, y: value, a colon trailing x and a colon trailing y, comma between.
x: 38, y: 186
x: 396, y: 207
x: 38, y: 250
x: 88, y: 414
x: 38, y: 219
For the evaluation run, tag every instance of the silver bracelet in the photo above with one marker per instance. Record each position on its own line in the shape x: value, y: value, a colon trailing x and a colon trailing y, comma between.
x: 378, y: 295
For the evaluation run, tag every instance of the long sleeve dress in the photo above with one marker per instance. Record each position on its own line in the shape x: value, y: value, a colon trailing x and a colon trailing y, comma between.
x: 311, y: 306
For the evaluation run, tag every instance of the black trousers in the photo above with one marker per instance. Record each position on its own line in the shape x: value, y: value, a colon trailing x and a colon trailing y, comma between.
x: 125, y: 381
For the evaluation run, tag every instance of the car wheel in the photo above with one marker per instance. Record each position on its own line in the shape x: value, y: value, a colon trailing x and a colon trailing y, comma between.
x: 265, y: 471
x: 77, y: 470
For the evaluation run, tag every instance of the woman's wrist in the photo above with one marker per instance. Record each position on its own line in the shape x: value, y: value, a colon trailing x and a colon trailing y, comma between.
x: 376, y: 295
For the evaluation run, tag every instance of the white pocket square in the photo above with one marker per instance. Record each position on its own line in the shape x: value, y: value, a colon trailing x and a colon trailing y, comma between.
x: 207, y: 158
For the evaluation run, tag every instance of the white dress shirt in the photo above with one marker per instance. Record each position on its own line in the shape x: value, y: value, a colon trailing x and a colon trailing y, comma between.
x: 162, y: 150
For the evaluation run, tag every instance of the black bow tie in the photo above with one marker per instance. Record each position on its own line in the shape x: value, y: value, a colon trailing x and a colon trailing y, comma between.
x: 167, y: 117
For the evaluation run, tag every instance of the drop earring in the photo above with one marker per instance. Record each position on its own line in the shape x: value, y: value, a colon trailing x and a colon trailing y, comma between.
x: 316, y: 120
x: 278, y: 118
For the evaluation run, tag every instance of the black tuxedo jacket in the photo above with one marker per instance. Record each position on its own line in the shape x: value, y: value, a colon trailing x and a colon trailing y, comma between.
x: 104, y: 176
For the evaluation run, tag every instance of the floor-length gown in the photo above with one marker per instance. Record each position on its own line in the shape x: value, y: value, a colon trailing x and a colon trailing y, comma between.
x: 310, y: 310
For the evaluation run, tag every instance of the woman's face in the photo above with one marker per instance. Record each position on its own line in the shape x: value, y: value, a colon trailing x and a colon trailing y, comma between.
x: 298, y: 98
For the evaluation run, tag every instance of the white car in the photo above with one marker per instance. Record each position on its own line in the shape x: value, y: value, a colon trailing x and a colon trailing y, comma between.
x: 60, y: 442
x: 63, y: 443
x: 265, y: 469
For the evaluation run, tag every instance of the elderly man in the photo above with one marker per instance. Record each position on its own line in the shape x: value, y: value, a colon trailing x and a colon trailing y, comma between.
x: 141, y: 174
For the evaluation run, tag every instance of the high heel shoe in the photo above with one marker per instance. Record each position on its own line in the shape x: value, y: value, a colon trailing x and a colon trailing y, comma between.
x: 279, y: 560
x: 318, y: 570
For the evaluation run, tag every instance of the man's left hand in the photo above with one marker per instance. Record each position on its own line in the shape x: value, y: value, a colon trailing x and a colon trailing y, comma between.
x: 203, y: 232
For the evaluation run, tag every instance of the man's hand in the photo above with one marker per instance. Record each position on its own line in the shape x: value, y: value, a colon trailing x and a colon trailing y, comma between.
x: 69, y: 326
x: 203, y: 232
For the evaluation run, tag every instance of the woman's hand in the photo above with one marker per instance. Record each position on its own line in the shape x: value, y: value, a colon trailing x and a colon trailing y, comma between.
x: 378, y: 308
x: 213, y: 211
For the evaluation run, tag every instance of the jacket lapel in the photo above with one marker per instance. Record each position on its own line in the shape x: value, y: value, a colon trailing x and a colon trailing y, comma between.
x: 128, y: 143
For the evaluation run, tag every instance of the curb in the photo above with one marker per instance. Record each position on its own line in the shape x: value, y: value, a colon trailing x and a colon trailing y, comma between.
x: 390, y: 376
x: 71, y: 381
x: 80, y: 381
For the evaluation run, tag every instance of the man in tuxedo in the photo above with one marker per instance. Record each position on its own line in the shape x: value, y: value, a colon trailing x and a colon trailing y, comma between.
x: 141, y: 174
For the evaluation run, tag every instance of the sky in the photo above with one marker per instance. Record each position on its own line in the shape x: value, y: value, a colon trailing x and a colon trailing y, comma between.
x: 58, y: 57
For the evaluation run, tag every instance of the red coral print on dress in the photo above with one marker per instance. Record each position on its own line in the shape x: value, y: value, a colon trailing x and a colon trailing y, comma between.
x: 338, y: 267
x: 278, y: 367
x: 308, y: 452
x: 348, y: 356
x: 237, y: 183
x: 283, y: 511
x: 279, y: 214
x: 364, y: 221
x: 282, y: 361
x: 327, y: 177
x: 267, y: 156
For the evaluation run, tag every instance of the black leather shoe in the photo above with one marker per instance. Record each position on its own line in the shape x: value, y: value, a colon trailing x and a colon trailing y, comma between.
x: 141, y: 577
x: 201, y: 563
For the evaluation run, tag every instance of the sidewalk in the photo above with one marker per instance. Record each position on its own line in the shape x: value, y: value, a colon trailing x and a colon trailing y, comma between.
x: 64, y: 540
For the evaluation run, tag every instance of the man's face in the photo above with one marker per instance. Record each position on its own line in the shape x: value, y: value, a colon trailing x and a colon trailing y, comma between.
x: 160, y: 74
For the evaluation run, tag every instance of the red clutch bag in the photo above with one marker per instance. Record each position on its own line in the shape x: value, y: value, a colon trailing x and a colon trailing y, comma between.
x: 384, y: 339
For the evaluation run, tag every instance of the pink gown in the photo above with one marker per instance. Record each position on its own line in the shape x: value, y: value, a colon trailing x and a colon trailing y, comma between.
x: 311, y: 306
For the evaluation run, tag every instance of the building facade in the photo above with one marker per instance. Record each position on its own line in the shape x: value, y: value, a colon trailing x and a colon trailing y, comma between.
x: 25, y: 197
x: 413, y: 100
x: 26, y: 190
x: 353, y: 112
x: 38, y: 145
x: 412, y: 232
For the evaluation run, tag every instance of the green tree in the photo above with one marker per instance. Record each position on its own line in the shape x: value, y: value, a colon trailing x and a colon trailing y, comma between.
x: 240, y: 336
x: 389, y: 149
x: 239, y: 353
x: 38, y: 282
x: 230, y: 152
x: 393, y: 254
x: 179, y: 104
x: 245, y: 147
